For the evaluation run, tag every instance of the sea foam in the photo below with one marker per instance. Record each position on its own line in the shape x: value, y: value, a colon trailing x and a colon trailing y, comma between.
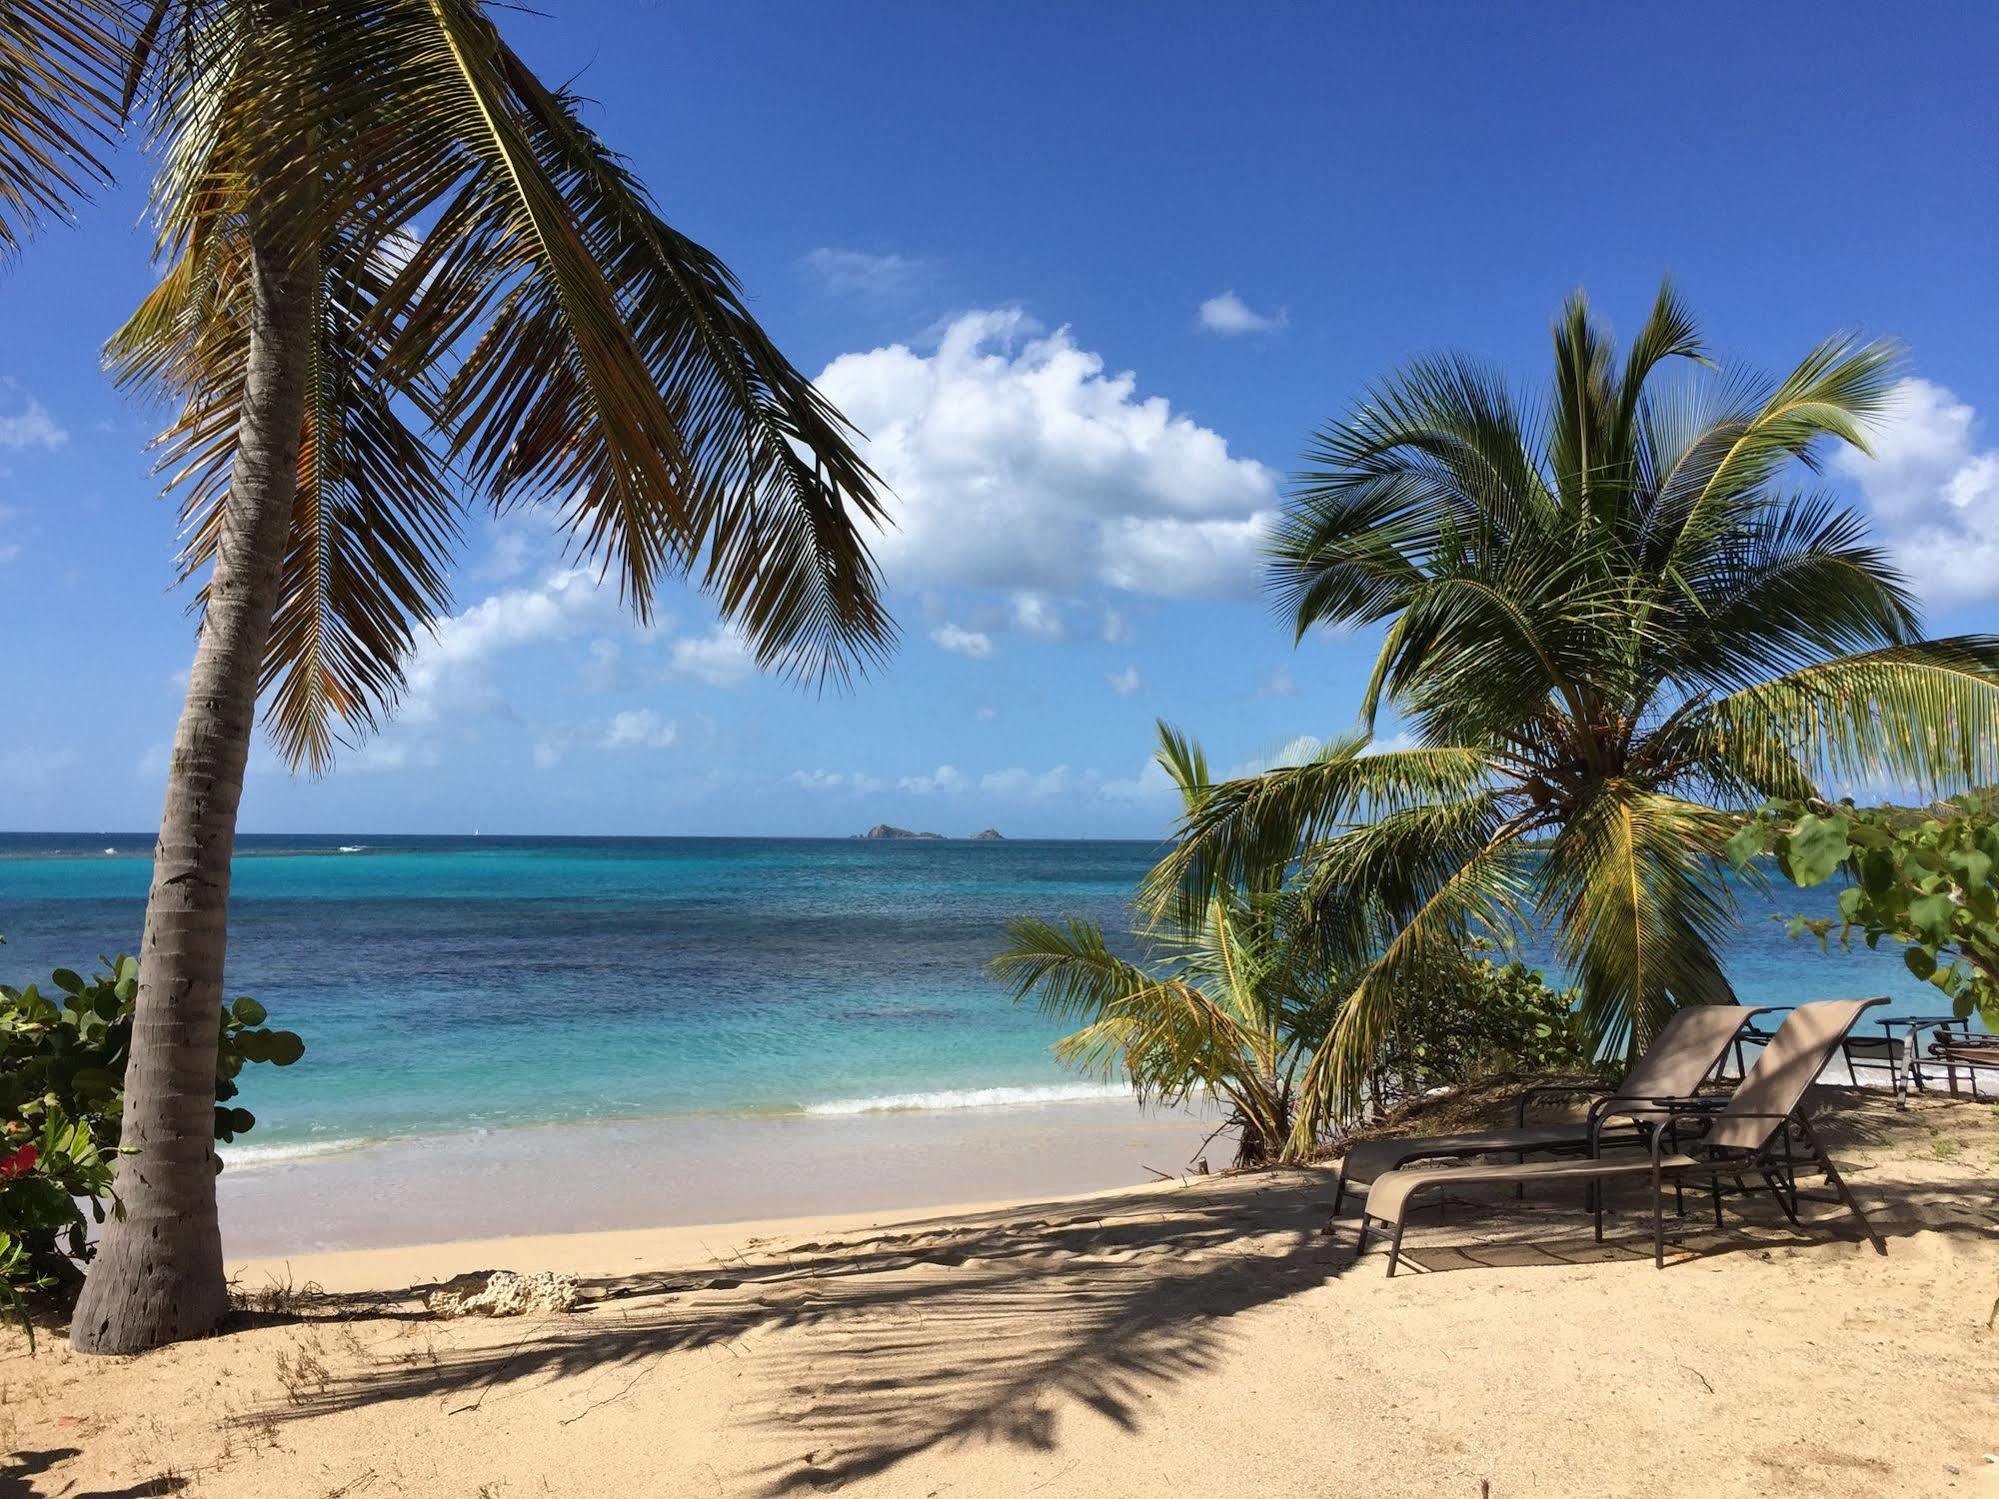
x: 972, y: 1098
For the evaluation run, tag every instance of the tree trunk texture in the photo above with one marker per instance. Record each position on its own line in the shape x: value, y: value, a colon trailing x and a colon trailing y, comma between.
x: 157, y: 1276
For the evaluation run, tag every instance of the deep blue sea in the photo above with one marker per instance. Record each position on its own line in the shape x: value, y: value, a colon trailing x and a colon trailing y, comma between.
x: 454, y: 983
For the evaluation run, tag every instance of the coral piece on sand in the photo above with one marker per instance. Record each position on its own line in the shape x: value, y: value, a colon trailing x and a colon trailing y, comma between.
x: 508, y: 1294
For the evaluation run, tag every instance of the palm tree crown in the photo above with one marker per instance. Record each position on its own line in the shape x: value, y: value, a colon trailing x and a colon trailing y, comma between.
x: 1609, y: 622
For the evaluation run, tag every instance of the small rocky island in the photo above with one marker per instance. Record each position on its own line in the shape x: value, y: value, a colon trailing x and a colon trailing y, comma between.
x: 886, y: 830
x: 990, y: 835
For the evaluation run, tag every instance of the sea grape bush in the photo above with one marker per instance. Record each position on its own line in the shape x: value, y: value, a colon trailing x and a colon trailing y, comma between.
x: 1474, y: 1017
x: 63, y: 1053
x: 1921, y: 877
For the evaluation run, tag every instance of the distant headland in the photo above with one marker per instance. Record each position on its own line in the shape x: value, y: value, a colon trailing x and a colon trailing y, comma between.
x: 889, y: 830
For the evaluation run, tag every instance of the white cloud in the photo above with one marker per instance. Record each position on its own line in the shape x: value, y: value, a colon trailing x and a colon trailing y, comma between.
x: 382, y: 755
x: 33, y: 428
x: 1038, y: 615
x: 1016, y: 782
x: 1230, y: 316
x: 849, y: 782
x: 1278, y: 683
x: 637, y: 728
x: 449, y: 669
x: 721, y: 658
x: 1150, y: 784
x: 1018, y: 463
x: 1935, y: 492
x: 1185, y: 558
x: 1297, y: 750
x: 974, y: 643
x: 986, y: 715
x: 945, y: 780
x: 1126, y: 683
x: 632, y: 729
x: 1116, y: 627
x: 857, y: 273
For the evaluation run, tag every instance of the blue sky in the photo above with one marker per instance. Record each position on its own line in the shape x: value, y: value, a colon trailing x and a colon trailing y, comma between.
x: 1088, y: 276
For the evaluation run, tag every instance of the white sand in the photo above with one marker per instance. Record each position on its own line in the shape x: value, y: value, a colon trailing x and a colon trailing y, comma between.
x: 1205, y: 1339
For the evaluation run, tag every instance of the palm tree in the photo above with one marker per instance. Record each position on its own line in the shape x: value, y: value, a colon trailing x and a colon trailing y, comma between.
x: 1612, y: 623
x: 1231, y: 1002
x: 400, y: 270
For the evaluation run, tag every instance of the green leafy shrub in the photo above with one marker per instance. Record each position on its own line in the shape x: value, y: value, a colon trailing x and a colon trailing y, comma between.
x: 1466, y: 1020
x: 1922, y: 877
x: 63, y: 1055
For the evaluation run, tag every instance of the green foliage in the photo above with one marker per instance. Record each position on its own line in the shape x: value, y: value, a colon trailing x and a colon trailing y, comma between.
x: 1478, y: 1017
x: 63, y: 1054
x: 1609, y: 617
x: 1232, y: 1000
x: 1920, y: 877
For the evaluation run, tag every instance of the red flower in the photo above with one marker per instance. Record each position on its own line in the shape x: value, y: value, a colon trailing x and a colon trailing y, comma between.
x: 20, y: 1163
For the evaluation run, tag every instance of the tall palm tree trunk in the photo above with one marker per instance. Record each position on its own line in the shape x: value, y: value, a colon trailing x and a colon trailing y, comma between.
x: 157, y: 1276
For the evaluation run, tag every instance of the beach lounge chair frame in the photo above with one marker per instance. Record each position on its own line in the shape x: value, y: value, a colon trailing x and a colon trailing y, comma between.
x: 1958, y: 1045
x: 1684, y: 1055
x: 1739, y: 1141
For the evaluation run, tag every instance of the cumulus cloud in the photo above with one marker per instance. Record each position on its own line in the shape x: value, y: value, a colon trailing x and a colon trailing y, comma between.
x: 1231, y: 317
x: 1126, y: 683
x: 721, y: 658
x: 1116, y: 628
x: 1020, y: 464
x: 33, y: 427
x: 1935, y: 491
x: 1150, y: 784
x: 1038, y: 615
x: 974, y: 643
x: 637, y: 728
x: 857, y: 273
x: 945, y: 779
x: 986, y: 715
x: 449, y: 671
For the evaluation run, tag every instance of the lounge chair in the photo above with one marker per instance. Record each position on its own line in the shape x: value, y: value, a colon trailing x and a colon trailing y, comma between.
x: 1966, y: 1048
x: 1759, y: 1130
x: 1687, y: 1049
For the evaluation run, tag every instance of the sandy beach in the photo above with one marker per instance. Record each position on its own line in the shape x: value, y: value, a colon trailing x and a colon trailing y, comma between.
x: 1204, y: 1336
x: 697, y: 1169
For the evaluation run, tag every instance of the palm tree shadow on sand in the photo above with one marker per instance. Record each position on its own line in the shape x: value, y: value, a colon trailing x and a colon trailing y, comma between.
x: 989, y: 1327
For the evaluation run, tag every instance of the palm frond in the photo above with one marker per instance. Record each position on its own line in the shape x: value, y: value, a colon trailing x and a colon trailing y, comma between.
x: 1922, y: 715
x: 61, y: 62
x: 1634, y: 884
x: 1449, y: 875
x: 1245, y: 829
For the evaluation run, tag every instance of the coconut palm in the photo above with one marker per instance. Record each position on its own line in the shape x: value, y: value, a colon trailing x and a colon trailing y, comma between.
x: 400, y: 272
x: 1611, y: 622
x: 1229, y: 1002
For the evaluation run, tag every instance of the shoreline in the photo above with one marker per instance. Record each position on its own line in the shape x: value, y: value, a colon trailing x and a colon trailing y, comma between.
x: 683, y: 1171
x: 1076, y: 1345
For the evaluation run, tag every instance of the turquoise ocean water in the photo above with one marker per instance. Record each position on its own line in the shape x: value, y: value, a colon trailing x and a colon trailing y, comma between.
x: 466, y: 983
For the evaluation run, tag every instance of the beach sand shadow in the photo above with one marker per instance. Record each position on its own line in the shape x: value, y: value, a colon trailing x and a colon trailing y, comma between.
x: 869, y: 1349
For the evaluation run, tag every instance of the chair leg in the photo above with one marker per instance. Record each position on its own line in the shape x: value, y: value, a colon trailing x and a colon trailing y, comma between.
x: 1596, y: 1202
x: 1395, y: 1249
x: 1658, y: 1221
x: 1714, y: 1191
x: 1339, y: 1193
x: 1839, y: 1186
x: 1360, y: 1247
x: 1784, y: 1199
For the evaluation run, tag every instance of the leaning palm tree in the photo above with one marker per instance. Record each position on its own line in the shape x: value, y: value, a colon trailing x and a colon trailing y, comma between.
x: 1612, y: 623
x: 400, y: 271
x: 1230, y: 1003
